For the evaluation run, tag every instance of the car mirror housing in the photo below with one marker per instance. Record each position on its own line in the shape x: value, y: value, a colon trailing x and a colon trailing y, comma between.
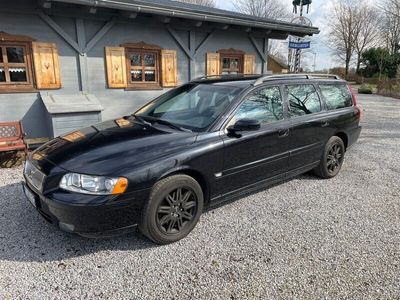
x: 245, y: 125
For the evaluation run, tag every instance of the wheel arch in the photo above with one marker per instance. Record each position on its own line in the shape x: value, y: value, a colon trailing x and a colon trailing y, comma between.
x: 196, y: 175
x: 343, y: 136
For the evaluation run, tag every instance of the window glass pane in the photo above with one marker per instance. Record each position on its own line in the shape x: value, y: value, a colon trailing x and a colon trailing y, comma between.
x: 17, y: 74
x: 336, y: 96
x: 15, y: 54
x: 136, y: 75
x: 303, y: 99
x: 1, y: 56
x: 149, y: 75
x: 234, y: 64
x: 225, y: 63
x: 2, y: 75
x: 149, y: 60
x: 135, y: 59
x: 264, y: 105
x: 193, y: 106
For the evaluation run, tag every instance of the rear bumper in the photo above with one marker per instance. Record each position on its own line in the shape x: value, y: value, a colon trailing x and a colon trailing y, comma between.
x: 121, y: 213
x: 353, y: 136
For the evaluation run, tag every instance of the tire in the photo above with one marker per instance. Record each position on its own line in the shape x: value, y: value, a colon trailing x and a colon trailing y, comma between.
x: 173, y: 210
x: 332, y: 158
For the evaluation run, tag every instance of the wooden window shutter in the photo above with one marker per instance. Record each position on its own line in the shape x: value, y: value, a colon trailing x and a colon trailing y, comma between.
x: 46, y: 65
x: 169, y: 68
x: 116, y: 67
x: 249, y: 64
x: 213, y: 64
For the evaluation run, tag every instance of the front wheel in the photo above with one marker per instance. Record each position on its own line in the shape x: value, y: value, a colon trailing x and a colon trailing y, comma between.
x: 173, y: 209
x: 332, y: 158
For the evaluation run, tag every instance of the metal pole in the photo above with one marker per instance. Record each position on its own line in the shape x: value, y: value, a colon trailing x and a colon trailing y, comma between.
x: 298, y: 51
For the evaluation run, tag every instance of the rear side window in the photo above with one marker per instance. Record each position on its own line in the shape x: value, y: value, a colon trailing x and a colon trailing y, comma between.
x: 336, y: 96
x: 264, y: 105
x: 303, y: 99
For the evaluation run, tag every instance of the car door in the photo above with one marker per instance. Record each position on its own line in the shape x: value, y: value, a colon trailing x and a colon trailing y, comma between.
x: 307, y: 125
x: 260, y: 155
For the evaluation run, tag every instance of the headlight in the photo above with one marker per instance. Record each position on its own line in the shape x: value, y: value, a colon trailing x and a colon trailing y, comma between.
x: 95, y: 185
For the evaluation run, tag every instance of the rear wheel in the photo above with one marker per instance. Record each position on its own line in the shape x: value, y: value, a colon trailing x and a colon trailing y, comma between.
x: 332, y: 159
x: 173, y: 209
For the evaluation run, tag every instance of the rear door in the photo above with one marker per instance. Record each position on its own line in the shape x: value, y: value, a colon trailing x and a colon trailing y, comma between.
x: 308, y: 123
x: 258, y: 155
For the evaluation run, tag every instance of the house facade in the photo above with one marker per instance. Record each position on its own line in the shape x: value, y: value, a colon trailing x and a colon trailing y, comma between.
x: 65, y: 64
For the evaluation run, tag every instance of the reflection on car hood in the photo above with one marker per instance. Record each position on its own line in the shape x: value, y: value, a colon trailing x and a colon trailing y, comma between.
x: 108, y: 147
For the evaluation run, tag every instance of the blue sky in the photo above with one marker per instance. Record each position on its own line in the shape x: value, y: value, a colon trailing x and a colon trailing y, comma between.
x: 318, y: 15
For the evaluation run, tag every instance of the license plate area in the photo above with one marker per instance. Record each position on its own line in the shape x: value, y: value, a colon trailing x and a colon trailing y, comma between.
x: 30, y: 196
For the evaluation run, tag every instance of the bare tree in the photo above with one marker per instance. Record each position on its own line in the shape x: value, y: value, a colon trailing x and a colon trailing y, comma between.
x: 210, y: 3
x: 343, y: 30
x: 390, y: 25
x: 367, y: 32
x: 271, y: 9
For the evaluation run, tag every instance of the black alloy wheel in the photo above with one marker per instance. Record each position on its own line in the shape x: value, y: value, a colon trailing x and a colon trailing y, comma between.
x: 332, y: 158
x: 173, y: 210
x: 177, y: 210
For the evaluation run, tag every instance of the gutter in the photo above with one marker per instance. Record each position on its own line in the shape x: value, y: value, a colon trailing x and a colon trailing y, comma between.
x: 199, y: 16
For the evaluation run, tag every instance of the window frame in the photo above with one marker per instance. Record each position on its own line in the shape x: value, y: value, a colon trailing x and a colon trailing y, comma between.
x: 143, y: 49
x: 231, y: 54
x: 26, y: 44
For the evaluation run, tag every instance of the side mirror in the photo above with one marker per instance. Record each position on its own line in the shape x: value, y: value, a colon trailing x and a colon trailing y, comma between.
x: 244, y: 125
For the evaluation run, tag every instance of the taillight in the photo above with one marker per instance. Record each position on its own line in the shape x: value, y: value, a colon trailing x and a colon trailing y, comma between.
x: 355, y: 104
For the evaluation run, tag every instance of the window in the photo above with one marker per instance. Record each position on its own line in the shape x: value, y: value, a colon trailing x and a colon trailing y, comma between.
x: 264, y: 105
x: 336, y: 95
x: 15, y: 66
x: 143, y: 65
x: 303, y: 99
x: 231, y: 61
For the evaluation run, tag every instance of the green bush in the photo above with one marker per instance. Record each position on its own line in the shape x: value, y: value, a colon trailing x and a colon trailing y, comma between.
x: 366, y: 89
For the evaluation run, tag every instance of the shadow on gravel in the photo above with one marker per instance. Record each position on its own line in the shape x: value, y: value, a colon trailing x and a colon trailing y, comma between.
x: 26, y: 236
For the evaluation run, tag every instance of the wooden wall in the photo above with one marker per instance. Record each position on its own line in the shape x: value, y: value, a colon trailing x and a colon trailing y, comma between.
x: 20, y: 17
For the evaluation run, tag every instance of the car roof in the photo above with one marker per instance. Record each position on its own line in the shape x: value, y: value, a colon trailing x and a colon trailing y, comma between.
x: 241, y: 80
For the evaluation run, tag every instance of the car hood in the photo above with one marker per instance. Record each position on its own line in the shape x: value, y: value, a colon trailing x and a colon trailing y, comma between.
x: 109, y: 147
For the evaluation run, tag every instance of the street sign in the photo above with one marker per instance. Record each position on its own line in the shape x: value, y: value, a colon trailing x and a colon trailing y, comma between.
x: 299, y: 45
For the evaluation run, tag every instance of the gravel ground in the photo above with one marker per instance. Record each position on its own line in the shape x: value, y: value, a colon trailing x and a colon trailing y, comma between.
x: 306, y: 238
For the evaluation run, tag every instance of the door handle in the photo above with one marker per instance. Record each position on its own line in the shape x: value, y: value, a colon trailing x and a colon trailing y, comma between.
x: 325, y: 124
x: 283, y: 133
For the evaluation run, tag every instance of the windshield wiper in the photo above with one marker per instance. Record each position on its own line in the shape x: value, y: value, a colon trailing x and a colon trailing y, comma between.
x: 142, y: 120
x: 161, y: 121
x: 164, y: 122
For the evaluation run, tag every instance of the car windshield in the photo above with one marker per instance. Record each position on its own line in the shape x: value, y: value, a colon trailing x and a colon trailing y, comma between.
x: 192, y: 106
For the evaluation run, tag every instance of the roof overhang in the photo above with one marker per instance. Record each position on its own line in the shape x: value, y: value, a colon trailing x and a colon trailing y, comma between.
x: 173, y: 9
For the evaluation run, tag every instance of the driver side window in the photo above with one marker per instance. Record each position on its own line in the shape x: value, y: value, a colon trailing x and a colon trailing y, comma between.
x: 264, y: 105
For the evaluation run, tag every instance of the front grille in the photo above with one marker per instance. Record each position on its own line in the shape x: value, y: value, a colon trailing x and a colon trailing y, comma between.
x: 34, y: 176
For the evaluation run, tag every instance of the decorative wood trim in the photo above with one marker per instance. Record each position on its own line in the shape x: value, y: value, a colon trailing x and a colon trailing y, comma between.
x: 141, y: 45
x: 231, y: 51
x: 6, y: 37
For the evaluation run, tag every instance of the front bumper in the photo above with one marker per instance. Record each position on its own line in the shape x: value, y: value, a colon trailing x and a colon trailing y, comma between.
x: 124, y: 211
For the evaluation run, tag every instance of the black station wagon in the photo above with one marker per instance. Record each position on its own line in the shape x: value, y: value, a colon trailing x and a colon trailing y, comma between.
x: 207, y: 141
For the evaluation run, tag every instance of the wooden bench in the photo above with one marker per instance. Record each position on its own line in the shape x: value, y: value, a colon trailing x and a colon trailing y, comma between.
x: 12, y: 137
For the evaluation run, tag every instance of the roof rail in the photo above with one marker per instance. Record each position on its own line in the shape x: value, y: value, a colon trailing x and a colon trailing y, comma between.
x: 293, y: 76
x: 225, y: 76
